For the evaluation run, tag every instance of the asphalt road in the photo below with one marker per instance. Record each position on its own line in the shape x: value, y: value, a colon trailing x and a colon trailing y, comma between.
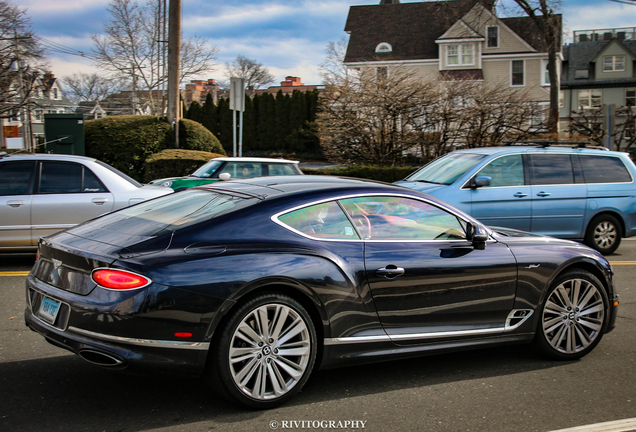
x: 44, y: 388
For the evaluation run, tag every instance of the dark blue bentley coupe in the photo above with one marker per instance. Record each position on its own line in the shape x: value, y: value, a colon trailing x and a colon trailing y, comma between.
x: 254, y: 283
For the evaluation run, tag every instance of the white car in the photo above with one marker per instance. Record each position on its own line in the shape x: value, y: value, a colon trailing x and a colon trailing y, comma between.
x: 41, y: 194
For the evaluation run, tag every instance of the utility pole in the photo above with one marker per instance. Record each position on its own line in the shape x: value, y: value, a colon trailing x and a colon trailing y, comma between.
x: 174, y: 44
x: 26, y: 113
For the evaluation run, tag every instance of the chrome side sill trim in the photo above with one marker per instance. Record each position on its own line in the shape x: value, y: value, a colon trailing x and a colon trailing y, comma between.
x: 144, y: 342
x: 522, y: 314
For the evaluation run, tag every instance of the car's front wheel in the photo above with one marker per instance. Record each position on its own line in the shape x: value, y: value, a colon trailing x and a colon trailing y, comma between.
x: 604, y: 234
x: 266, y: 351
x: 573, y: 316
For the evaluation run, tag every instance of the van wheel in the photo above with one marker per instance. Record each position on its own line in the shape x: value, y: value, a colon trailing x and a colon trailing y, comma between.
x: 604, y: 234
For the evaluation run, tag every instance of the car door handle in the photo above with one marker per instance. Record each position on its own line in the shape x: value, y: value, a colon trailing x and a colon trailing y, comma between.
x: 99, y: 201
x: 15, y: 203
x: 543, y: 194
x: 520, y: 195
x: 390, y: 272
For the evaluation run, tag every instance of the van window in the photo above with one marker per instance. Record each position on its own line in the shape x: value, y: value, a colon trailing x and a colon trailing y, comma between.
x: 548, y: 169
x: 604, y: 169
x: 504, y: 171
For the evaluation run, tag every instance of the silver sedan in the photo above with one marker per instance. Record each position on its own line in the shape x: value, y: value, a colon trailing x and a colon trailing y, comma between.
x: 42, y: 194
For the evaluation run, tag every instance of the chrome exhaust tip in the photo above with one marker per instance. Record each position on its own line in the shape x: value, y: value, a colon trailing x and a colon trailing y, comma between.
x: 99, y: 358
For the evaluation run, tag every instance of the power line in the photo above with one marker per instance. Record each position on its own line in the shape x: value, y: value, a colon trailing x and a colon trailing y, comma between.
x: 55, y: 47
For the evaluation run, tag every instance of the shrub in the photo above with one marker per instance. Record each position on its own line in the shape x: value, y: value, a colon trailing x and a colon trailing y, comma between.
x: 175, y: 163
x: 126, y: 141
x: 194, y: 136
x: 387, y: 174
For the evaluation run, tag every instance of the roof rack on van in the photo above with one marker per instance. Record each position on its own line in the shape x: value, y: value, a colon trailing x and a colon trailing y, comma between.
x: 544, y: 144
x: 2, y: 154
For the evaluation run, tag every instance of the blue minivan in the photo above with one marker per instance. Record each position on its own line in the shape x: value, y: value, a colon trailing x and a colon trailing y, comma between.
x: 577, y: 193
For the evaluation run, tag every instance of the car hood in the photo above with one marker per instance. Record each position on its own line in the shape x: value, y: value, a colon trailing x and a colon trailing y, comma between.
x: 429, y: 188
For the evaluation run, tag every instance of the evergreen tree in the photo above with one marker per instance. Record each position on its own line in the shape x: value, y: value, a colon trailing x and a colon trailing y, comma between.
x: 225, y: 126
x: 209, y: 116
x: 265, y: 122
x: 281, y: 122
x: 297, y: 118
x: 249, y: 125
x: 195, y: 112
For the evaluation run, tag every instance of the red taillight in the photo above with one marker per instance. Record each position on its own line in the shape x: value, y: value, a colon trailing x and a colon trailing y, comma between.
x: 119, y: 279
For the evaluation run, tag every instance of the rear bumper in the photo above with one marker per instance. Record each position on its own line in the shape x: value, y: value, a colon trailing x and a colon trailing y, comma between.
x: 109, y: 349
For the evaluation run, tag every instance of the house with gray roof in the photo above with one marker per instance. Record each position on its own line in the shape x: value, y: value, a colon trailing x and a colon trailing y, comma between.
x: 598, y: 69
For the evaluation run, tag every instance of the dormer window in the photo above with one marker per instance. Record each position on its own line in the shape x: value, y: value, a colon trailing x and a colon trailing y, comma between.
x: 383, y: 47
x: 460, y: 55
x: 492, y: 36
x: 614, y: 63
x: 54, y: 93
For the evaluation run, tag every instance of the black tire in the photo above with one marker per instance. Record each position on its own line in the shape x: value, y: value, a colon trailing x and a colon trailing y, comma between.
x: 573, y: 317
x: 604, y: 234
x: 268, y: 369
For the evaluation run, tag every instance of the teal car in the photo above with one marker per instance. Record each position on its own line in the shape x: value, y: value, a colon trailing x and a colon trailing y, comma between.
x: 226, y: 168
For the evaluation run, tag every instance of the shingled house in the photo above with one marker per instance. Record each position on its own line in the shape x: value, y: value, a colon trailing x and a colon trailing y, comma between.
x: 450, y: 40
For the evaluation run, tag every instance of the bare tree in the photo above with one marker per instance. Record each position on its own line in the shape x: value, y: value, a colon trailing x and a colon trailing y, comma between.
x: 333, y: 70
x: 371, y: 117
x: 256, y: 75
x: 20, y: 58
x: 587, y: 124
x: 542, y: 13
x: 89, y: 87
x: 131, y: 49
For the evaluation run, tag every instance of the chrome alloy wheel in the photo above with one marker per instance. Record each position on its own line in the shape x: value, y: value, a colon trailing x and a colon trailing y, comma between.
x: 605, y: 234
x: 573, y: 316
x: 269, y: 351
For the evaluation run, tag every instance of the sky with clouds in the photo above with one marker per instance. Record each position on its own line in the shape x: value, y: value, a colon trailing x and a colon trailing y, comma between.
x: 288, y: 36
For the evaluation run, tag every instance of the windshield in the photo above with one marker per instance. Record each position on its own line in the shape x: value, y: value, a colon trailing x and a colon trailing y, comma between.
x: 208, y: 169
x: 446, y: 170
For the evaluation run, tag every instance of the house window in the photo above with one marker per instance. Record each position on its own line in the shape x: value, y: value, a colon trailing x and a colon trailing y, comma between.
x: 460, y: 55
x: 493, y: 36
x: 382, y: 73
x: 630, y: 97
x: 562, y: 99
x: 614, y: 63
x: 38, y: 115
x: 383, y: 48
x: 518, y: 73
x: 590, y: 98
x: 54, y: 93
x: 581, y: 74
x: 545, y: 73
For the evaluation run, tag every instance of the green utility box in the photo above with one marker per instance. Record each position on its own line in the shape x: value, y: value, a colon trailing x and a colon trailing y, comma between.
x: 67, y: 132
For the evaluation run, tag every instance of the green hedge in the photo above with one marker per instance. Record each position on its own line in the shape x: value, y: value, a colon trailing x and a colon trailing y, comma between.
x: 125, y: 142
x: 386, y: 174
x: 175, y: 163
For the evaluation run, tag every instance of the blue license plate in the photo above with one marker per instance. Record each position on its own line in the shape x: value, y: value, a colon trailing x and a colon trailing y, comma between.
x: 49, y: 309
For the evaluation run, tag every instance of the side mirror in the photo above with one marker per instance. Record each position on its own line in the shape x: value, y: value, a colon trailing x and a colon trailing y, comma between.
x: 478, y: 235
x: 224, y: 176
x: 482, y: 181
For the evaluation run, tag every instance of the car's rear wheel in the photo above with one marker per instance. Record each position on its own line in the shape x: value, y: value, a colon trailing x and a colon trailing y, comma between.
x: 573, y: 316
x: 266, y: 351
x: 604, y: 234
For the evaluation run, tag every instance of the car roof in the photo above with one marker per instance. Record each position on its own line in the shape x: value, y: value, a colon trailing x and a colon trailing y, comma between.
x: 50, y: 156
x: 531, y: 148
x: 255, y: 159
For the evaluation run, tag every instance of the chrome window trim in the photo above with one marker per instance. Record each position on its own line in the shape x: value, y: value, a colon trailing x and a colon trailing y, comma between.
x: 432, y: 335
x: 274, y: 218
x: 465, y: 187
x: 143, y: 342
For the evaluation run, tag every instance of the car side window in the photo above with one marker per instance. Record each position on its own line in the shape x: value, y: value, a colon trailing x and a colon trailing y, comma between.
x: 398, y: 218
x: 551, y: 169
x: 504, y: 171
x: 279, y: 169
x: 15, y: 178
x: 324, y: 220
x: 62, y: 177
x: 604, y: 169
x: 243, y: 170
